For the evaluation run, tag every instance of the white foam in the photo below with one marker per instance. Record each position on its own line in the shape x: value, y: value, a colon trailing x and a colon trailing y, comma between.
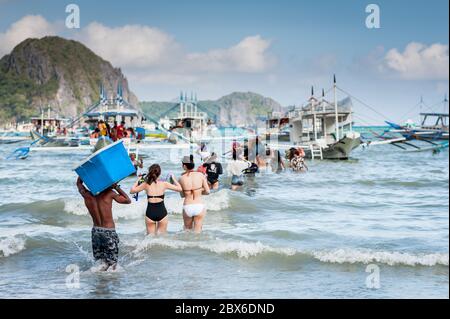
x: 239, y: 248
x: 11, y: 245
x: 133, y: 211
x: 75, y: 206
x: 251, y: 249
x: 366, y: 256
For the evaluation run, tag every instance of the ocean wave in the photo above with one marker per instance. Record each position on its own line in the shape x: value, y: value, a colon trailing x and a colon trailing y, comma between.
x: 246, y: 250
x: 240, y: 249
x: 215, y: 202
x: 352, y: 256
x: 11, y: 245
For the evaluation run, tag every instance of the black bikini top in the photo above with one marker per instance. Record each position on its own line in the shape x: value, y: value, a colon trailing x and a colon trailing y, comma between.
x: 155, y: 197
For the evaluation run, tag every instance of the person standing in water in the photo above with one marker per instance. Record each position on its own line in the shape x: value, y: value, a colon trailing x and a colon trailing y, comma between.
x: 105, y: 241
x: 277, y: 162
x: 156, y: 219
x: 298, y: 161
x: 213, y: 171
x: 137, y: 163
x: 194, y: 185
x: 236, y: 169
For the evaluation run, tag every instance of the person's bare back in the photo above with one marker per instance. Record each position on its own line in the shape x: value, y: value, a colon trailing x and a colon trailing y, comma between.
x: 90, y: 201
x: 104, y: 204
x: 193, y: 184
x: 105, y: 241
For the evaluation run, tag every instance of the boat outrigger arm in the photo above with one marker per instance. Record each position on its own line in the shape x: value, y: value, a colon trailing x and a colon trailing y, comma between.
x: 400, y: 142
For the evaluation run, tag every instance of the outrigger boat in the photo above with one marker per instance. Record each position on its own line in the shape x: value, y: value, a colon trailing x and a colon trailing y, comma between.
x: 411, y: 137
x: 410, y: 142
x: 323, y: 129
x: 436, y: 131
x: 406, y: 143
x: 12, y: 138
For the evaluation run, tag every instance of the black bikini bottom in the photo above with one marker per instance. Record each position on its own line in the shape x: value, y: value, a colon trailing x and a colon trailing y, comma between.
x: 156, y: 211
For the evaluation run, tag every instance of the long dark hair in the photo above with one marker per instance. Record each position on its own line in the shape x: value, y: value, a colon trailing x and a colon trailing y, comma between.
x: 191, y: 164
x: 154, y: 172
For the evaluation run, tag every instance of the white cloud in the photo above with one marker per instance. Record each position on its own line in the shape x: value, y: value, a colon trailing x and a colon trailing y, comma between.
x: 31, y: 26
x: 129, y: 45
x: 248, y: 56
x: 136, y: 46
x: 418, y: 62
x: 151, y: 56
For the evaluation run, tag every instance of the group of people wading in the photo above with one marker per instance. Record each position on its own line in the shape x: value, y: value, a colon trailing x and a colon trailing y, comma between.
x: 247, y: 159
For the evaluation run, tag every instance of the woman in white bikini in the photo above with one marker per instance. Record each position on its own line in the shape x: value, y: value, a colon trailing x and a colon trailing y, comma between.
x: 194, y: 185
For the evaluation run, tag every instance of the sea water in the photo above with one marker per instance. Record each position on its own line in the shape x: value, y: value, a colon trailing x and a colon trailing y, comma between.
x: 376, y: 226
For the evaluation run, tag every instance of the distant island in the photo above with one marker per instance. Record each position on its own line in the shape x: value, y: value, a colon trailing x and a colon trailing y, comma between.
x: 54, y: 71
x: 236, y: 109
x: 67, y: 75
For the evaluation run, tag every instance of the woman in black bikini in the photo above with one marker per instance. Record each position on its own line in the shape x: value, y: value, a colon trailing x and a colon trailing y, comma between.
x: 156, y: 215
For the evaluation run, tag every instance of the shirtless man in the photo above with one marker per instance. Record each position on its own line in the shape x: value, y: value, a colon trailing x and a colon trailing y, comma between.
x: 194, y: 185
x: 105, y: 241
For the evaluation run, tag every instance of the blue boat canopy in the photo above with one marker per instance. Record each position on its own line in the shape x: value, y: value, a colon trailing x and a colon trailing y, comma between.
x: 112, y: 113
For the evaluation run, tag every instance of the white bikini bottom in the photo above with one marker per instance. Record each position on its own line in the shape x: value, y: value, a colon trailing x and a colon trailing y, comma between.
x: 193, y: 210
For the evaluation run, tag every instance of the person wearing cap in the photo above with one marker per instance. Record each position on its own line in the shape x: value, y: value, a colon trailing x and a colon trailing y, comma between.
x: 213, y: 171
x: 194, y: 185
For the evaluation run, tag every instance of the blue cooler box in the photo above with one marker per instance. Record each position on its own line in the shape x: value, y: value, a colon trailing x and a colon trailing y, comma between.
x: 105, y: 167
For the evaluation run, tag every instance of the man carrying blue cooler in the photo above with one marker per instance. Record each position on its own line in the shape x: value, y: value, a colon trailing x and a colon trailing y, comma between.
x: 105, y: 241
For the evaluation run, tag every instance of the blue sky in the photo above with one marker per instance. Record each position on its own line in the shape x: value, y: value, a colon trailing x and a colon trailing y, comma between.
x: 275, y: 48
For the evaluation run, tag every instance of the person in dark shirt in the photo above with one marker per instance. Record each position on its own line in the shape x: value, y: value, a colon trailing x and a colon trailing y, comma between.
x: 213, y: 171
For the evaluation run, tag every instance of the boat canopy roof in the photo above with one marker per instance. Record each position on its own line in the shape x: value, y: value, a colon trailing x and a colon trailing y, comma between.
x: 435, y: 114
x: 344, y: 106
x: 110, y: 113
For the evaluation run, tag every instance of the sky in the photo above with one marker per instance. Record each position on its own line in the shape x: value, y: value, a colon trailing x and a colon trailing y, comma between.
x: 275, y: 48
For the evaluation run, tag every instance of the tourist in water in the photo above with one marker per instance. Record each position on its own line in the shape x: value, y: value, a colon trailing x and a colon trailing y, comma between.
x: 236, y: 149
x: 236, y: 170
x: 120, y: 131
x: 108, y: 129
x: 264, y: 159
x: 105, y: 241
x: 194, y: 185
x: 156, y: 219
x: 213, y: 171
x: 203, y: 151
x: 277, y: 162
x: 103, y: 129
x: 298, y: 162
x: 96, y: 133
x: 137, y: 163
x: 113, y: 134
x: 130, y: 132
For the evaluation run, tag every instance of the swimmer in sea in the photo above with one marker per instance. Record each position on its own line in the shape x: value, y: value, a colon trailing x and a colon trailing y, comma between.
x: 156, y: 218
x: 194, y: 186
x: 213, y: 171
